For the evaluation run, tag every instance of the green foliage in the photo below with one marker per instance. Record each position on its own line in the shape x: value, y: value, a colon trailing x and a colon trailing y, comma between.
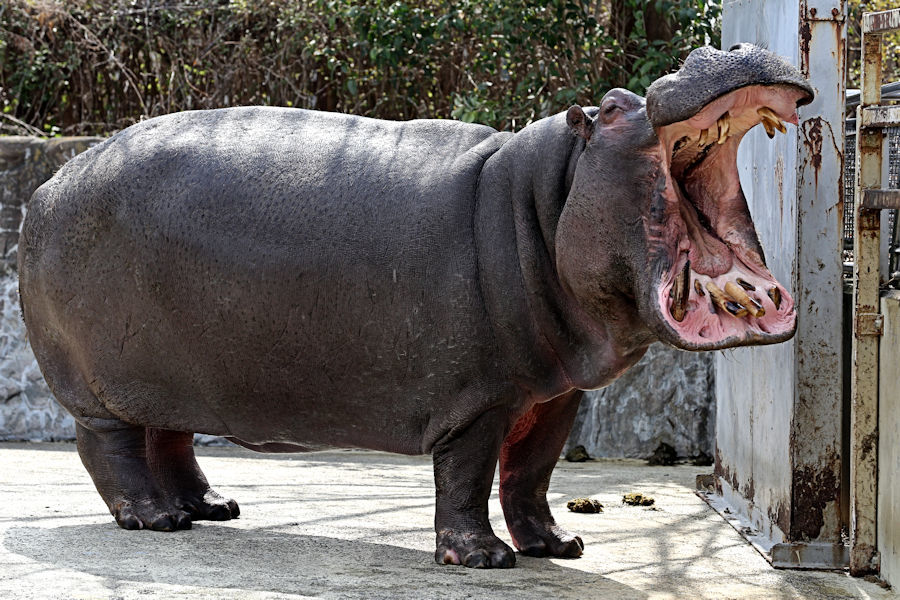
x: 91, y: 66
x: 890, y: 42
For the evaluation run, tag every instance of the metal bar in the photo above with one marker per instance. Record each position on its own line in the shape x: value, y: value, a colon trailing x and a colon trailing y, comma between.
x: 866, y: 306
x: 881, y: 22
x: 881, y: 116
x: 881, y: 199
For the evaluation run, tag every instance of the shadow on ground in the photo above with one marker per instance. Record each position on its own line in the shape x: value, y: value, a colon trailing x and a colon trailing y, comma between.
x: 220, y: 557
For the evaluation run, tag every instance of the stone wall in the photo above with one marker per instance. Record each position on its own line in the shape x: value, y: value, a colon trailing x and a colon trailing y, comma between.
x: 667, y: 397
x: 27, y: 408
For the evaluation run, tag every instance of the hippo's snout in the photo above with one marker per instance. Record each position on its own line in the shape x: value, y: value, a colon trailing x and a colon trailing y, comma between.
x: 708, y: 74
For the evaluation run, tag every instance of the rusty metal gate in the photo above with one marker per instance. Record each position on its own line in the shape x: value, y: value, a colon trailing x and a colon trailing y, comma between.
x: 871, y: 196
x: 890, y: 174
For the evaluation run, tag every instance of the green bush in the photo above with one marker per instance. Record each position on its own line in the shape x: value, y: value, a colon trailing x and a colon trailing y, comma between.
x: 92, y: 66
x: 890, y: 43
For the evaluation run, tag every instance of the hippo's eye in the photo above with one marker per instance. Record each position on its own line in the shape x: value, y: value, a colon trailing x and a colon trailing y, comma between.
x: 608, y: 111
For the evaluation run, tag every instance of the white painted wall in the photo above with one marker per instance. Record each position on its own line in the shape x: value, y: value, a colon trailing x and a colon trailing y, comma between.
x: 754, y: 386
x: 779, y: 413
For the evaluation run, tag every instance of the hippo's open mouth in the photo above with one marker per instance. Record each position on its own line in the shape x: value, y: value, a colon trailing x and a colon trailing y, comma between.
x: 715, y: 290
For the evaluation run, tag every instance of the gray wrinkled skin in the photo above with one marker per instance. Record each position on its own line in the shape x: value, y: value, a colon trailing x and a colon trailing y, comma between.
x: 294, y: 279
x: 713, y: 73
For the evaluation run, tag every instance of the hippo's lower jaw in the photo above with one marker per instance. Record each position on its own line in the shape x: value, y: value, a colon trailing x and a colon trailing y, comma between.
x: 715, y: 290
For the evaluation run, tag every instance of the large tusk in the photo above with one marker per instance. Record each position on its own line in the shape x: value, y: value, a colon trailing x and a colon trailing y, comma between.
x: 703, y: 137
x: 768, y: 116
x: 724, y: 302
x: 682, y: 288
x: 724, y: 125
x: 738, y: 293
x: 775, y: 295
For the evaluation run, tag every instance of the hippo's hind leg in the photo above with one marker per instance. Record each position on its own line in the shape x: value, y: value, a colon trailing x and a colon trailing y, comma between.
x: 464, y: 466
x: 115, y: 455
x: 149, y: 477
x: 170, y: 455
x: 529, y: 454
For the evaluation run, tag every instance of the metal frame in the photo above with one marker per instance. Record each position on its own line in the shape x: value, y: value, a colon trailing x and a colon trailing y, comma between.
x: 867, y: 318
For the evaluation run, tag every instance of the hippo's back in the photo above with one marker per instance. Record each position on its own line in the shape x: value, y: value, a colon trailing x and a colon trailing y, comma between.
x: 279, y: 254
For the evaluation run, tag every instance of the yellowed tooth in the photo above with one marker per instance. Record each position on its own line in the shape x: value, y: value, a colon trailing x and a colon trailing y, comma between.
x: 737, y: 292
x: 775, y: 295
x: 724, y: 125
x: 746, y: 284
x: 768, y: 114
x: 721, y: 300
x: 770, y: 130
x: 681, y: 291
x: 703, y: 137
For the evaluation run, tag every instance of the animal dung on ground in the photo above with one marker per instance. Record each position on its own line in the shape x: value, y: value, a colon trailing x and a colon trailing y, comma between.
x: 584, y: 505
x: 638, y: 499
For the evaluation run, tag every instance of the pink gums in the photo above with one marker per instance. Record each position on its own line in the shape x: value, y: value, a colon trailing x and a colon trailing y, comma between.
x: 703, y: 327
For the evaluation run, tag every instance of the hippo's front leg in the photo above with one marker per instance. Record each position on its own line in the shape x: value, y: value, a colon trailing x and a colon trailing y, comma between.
x: 529, y: 454
x: 464, y: 464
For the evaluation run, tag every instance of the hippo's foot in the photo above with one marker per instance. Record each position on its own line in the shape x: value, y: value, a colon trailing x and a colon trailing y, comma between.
x: 535, y: 536
x: 149, y: 514
x: 149, y: 477
x: 209, y: 505
x: 475, y: 550
x: 170, y: 455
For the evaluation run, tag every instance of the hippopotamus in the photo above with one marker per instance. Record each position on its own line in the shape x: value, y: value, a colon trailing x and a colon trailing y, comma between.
x: 294, y: 280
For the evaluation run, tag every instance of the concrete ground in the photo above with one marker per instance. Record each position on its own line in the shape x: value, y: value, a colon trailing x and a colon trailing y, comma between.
x: 355, y: 524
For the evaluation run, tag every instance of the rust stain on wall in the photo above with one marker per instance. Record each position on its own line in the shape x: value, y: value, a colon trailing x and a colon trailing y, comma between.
x: 812, y: 139
x: 814, y: 488
x: 805, y: 39
x: 780, y: 514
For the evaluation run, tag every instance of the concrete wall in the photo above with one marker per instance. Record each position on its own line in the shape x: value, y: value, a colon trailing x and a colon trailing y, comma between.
x: 27, y: 408
x: 668, y: 397
x: 779, y: 416
x: 753, y: 422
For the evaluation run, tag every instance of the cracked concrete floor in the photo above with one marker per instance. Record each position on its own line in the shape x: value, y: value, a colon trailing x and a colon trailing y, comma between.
x: 351, y: 524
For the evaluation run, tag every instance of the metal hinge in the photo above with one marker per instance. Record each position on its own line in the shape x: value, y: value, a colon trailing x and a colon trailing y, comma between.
x: 869, y: 324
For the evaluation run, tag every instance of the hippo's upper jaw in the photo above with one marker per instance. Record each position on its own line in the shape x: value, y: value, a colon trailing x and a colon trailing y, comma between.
x: 713, y: 288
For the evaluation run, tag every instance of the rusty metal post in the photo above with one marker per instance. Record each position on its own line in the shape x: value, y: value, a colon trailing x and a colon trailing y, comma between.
x: 866, y: 325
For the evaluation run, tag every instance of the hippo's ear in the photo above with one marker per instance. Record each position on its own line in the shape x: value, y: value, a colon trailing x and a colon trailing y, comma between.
x: 579, y: 122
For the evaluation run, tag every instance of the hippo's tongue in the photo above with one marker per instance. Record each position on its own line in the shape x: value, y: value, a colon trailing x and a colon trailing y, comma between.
x: 716, y: 291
